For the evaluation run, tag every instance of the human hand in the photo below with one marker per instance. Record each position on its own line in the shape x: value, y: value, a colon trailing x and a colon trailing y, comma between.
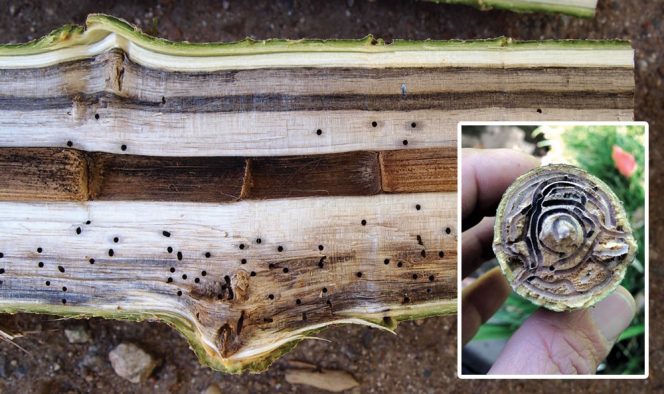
x: 547, y: 342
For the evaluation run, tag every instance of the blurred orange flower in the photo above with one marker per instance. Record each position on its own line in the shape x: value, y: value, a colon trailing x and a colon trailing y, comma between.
x: 623, y: 161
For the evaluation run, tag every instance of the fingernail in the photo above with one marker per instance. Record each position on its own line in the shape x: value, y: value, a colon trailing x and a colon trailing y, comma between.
x: 613, y: 314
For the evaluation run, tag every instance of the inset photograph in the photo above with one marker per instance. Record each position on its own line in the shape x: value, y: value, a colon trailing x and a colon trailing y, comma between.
x: 553, y: 276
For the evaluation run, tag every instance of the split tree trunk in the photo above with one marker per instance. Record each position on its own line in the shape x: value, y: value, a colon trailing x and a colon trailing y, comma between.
x: 252, y: 193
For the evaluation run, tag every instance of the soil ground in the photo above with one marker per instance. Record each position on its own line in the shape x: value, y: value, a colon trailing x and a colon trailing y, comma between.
x: 422, y: 358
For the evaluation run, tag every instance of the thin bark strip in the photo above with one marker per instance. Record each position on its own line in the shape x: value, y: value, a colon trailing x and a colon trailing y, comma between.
x: 422, y: 170
x: 579, y: 8
x: 241, y: 281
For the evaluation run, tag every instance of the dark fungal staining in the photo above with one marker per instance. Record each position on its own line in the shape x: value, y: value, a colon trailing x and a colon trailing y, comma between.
x: 166, y: 233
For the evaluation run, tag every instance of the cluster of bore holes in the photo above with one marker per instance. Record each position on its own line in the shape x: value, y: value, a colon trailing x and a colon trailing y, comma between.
x: 413, y: 125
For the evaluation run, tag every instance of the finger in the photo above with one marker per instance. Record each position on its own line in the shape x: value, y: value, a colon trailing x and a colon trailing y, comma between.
x: 485, y: 175
x: 567, y: 343
x: 476, y: 246
x: 480, y: 300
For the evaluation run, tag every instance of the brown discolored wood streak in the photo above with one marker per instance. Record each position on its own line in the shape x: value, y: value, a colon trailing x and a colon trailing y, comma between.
x: 344, y: 174
x: 195, y: 179
x: 419, y: 170
x: 50, y: 174
x: 34, y: 174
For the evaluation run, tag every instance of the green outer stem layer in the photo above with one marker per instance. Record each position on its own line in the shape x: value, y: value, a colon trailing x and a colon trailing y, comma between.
x: 99, y: 26
x: 526, y: 6
x: 186, y: 329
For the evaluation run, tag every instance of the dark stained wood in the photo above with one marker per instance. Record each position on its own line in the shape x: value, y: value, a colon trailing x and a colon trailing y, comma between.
x: 51, y: 174
x: 419, y: 170
x: 342, y: 174
x: 196, y: 179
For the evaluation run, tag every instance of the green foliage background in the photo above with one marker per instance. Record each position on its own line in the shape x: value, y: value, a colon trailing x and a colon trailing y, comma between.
x: 590, y: 148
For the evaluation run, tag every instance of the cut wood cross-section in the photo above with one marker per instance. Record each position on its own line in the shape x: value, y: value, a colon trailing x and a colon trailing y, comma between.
x: 250, y: 194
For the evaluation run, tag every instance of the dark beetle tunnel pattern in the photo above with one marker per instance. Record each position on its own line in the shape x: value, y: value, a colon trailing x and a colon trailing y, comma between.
x: 562, y: 237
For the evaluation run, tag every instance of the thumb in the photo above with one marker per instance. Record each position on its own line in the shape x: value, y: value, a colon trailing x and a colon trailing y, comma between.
x: 567, y: 343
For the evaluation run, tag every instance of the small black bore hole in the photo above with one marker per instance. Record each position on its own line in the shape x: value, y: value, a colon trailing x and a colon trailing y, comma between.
x: 280, y: 248
x: 441, y: 254
x: 359, y: 274
x: 271, y: 296
x: 179, y: 255
x: 431, y: 278
x: 386, y: 261
x: 413, y: 125
x: 184, y: 276
x: 363, y: 222
x: 374, y: 124
x: 41, y: 264
x: 172, y: 269
x: 399, y: 264
x: 285, y: 270
x: 78, y: 230
x: 111, y: 252
x: 414, y: 276
x: 92, y: 261
x: 116, y: 239
x: 61, y: 268
x: 241, y: 246
x: 418, y: 207
x: 39, y: 250
x: 319, y: 132
x: 258, y: 240
x: 48, y: 283
x: 169, y: 249
x: 197, y: 280
x: 166, y: 233
x: 321, y: 247
x: 64, y: 288
x: 203, y: 273
x: 179, y: 293
x: 208, y: 255
x: 123, y: 147
x: 448, y: 230
x: 97, y: 116
x: 324, y: 289
x: 64, y: 301
x: 253, y: 273
x: 243, y: 261
x: 539, y: 110
x: 169, y: 280
x: 69, y: 143
x: 405, y: 142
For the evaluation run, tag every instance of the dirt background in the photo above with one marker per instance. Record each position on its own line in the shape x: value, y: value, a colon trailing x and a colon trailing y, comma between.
x: 422, y: 358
